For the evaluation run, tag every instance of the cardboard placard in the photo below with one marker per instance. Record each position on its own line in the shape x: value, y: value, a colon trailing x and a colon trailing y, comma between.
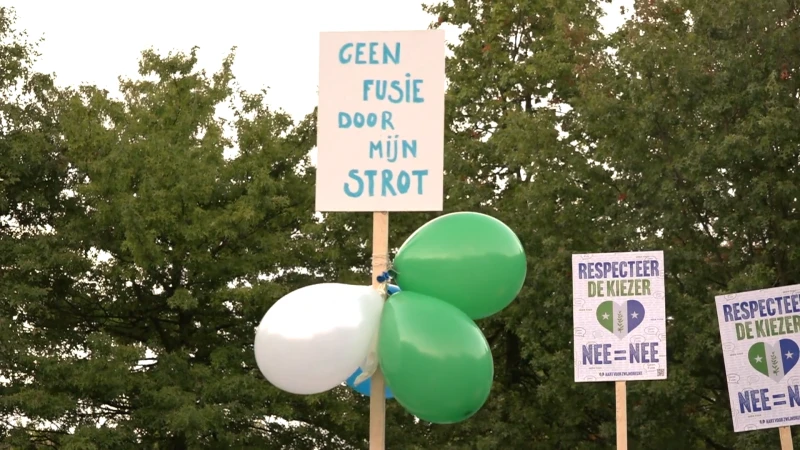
x: 619, y: 316
x: 381, y: 121
x: 760, y: 345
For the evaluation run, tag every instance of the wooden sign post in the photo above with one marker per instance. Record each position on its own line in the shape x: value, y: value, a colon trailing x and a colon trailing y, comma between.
x: 619, y: 317
x: 760, y: 364
x: 622, y: 415
x: 786, y: 438
x: 380, y: 141
x: 377, y: 399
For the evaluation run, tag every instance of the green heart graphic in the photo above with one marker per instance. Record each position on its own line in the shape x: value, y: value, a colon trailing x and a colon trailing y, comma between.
x: 620, y: 318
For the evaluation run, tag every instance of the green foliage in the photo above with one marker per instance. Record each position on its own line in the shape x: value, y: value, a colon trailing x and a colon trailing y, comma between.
x: 128, y: 322
x: 695, y: 114
x: 510, y: 73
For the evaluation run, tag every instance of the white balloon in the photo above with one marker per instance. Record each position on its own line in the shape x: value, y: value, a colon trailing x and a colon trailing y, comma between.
x: 314, y: 338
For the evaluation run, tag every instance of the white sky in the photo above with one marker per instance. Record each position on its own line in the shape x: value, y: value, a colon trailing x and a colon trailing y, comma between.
x: 277, y: 43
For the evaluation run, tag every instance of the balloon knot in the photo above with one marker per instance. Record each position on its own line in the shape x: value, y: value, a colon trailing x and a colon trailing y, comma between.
x: 361, y: 378
x: 384, y: 277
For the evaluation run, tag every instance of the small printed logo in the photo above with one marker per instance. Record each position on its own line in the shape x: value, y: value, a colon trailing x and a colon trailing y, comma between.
x: 774, y: 361
x: 620, y: 318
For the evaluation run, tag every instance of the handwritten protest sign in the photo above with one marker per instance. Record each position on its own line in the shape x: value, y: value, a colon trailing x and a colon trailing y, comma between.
x: 760, y: 345
x: 381, y: 121
x: 619, y: 316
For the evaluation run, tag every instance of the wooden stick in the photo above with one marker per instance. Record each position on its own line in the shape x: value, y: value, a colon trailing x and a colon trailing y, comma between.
x: 786, y: 438
x: 377, y: 412
x: 622, y: 416
x: 377, y: 399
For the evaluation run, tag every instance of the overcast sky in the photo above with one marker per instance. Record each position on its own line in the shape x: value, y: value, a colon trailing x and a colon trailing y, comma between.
x: 277, y: 42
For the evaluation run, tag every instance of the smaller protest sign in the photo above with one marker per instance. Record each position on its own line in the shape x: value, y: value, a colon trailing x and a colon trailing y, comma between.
x: 619, y: 316
x: 760, y: 346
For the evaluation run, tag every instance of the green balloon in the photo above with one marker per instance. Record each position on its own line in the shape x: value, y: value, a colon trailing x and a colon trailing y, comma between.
x: 470, y: 260
x: 434, y: 358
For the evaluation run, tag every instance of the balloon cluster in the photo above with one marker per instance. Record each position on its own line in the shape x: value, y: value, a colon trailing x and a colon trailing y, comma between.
x: 437, y: 363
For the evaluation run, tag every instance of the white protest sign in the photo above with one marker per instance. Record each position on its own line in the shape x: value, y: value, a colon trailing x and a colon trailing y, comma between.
x: 759, y: 331
x: 380, y: 121
x: 619, y: 316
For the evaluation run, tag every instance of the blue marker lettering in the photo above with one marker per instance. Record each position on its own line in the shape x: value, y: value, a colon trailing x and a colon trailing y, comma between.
x: 417, y: 97
x: 375, y: 146
x: 409, y: 148
x: 393, y: 146
x: 403, y: 181
x: 369, y: 53
x: 360, y: 190
x: 360, y: 120
x: 395, y: 91
x: 386, y: 183
x: 419, y: 174
x: 344, y: 57
x: 386, y: 120
x: 371, y: 184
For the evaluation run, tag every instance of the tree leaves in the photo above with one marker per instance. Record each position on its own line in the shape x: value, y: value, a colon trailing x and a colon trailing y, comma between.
x: 131, y: 325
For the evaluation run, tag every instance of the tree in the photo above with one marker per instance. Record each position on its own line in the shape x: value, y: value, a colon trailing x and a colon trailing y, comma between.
x: 695, y: 115
x: 511, y: 75
x: 135, y: 314
x: 32, y: 169
x: 679, y: 138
